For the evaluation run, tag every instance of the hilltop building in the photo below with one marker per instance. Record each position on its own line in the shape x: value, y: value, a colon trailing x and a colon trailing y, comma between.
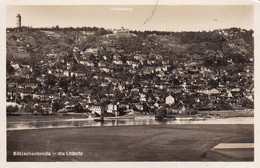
x: 121, y: 31
x: 18, y: 21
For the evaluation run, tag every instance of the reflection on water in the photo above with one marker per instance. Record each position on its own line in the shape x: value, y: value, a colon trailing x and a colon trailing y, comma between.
x: 119, y: 122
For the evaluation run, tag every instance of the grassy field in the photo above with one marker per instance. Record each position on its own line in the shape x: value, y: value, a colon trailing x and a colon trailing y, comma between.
x: 128, y: 143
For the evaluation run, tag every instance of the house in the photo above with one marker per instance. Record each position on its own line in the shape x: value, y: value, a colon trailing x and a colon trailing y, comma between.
x: 26, y: 92
x: 55, y: 96
x: 105, y: 58
x: 36, y: 96
x: 229, y: 94
x: 91, y: 51
x: 165, y: 67
x: 76, y: 49
x: 210, y: 92
x: 118, y: 62
x: 84, y: 93
x: 80, y: 73
x: 169, y: 100
x: 138, y: 106
x: 165, y: 62
x: 111, y: 108
x: 15, y: 66
x: 104, y: 84
x: 105, y: 69
x: 31, y: 86
x: 135, y: 65
x: 158, y: 57
x: 69, y: 107
x: 101, y: 64
x: 161, y: 74
x: 13, y: 104
x: 84, y: 62
x: 52, y: 55
x: 121, y: 31
x: 158, y: 69
x: 68, y: 73
x: 21, y: 49
x: 97, y: 109
x: 129, y: 62
x: 44, y: 107
x: 148, y: 70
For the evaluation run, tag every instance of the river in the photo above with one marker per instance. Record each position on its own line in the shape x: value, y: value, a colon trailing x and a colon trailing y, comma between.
x: 67, y: 123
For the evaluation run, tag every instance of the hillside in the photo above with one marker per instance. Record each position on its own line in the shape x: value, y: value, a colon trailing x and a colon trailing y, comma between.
x: 176, y: 63
x: 231, y: 43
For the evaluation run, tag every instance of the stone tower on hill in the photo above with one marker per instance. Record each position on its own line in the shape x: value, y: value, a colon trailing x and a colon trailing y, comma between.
x: 18, y: 20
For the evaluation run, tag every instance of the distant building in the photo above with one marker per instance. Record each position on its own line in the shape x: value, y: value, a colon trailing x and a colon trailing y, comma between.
x: 169, y: 100
x: 18, y: 21
x: 120, y: 31
x: 112, y: 108
x: 97, y: 109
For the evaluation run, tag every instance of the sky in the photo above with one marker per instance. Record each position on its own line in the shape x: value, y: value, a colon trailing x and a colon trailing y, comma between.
x: 139, y: 17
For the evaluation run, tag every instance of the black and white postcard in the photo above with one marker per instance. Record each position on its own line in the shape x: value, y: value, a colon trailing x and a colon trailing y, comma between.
x: 150, y: 83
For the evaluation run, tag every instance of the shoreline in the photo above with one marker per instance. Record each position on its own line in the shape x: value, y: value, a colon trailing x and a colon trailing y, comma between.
x: 85, y: 123
x: 202, y: 115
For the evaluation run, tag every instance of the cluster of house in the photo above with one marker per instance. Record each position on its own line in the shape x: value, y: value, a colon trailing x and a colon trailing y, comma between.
x: 105, y: 78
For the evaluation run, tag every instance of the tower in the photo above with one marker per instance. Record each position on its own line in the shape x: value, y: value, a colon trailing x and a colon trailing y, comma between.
x: 18, y: 20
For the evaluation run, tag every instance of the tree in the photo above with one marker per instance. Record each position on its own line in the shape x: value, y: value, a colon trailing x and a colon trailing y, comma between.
x: 78, y: 67
x: 146, y: 108
x: 56, y: 105
x: 37, y: 71
x: 247, y: 103
x: 21, y: 80
x: 78, y: 108
x: 11, y: 109
x: 64, y: 84
x: 213, y: 83
x: 10, y: 69
x: 51, y: 80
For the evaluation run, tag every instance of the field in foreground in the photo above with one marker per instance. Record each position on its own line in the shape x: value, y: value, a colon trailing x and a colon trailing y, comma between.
x: 129, y: 143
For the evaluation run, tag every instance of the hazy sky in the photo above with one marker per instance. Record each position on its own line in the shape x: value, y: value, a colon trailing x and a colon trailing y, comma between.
x: 170, y: 18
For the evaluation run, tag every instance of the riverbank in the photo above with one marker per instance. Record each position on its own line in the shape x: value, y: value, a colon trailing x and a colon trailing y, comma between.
x: 27, y: 117
x: 46, y: 117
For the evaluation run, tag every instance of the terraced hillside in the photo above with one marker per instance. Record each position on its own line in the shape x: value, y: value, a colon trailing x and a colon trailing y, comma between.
x: 203, y: 70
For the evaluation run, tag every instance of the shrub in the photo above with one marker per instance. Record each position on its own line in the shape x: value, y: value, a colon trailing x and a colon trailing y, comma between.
x: 11, y: 109
x: 248, y: 103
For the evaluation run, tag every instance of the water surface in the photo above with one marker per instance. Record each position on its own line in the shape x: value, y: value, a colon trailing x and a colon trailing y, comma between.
x: 119, y: 122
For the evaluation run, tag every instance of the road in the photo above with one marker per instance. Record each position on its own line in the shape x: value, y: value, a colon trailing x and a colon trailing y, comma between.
x: 129, y: 143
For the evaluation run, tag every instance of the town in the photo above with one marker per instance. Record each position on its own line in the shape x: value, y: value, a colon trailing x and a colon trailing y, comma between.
x: 115, y: 72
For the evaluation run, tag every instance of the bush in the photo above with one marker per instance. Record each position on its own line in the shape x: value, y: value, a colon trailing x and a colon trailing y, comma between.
x: 224, y: 106
x: 248, y: 103
x: 11, y: 109
x: 27, y: 109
